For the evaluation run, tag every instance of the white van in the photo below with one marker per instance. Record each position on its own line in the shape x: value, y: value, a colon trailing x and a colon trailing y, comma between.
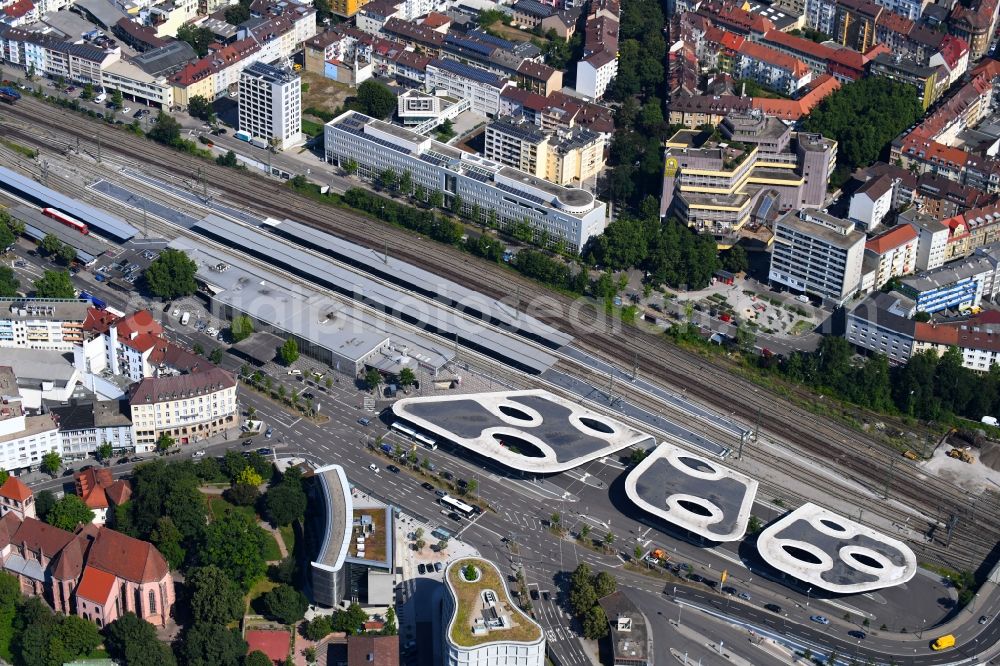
x: 185, y: 318
x: 100, y: 97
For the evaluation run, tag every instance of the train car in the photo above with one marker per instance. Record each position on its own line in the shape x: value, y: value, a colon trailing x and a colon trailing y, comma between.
x: 9, y: 95
x: 59, y: 216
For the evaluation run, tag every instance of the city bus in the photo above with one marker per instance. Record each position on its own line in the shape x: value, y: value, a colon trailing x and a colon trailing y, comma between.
x: 458, y: 506
x: 414, y: 435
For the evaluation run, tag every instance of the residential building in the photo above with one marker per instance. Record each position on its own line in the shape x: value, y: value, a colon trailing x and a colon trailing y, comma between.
x: 770, y: 68
x: 562, y: 156
x: 271, y: 105
x: 896, y: 251
x: 19, y: 13
x: 372, y: 650
x: 598, y: 65
x: 977, y: 339
x: 16, y: 498
x: 910, y: 9
x: 976, y: 23
x: 463, y: 81
x: 631, y: 640
x: 818, y: 254
x: 569, y: 214
x: 954, y: 56
x: 956, y: 286
x: 188, y: 408
x: 84, y: 426
x: 871, y: 202
x: 854, y: 24
x: 346, y: 8
x: 98, y: 489
x: 95, y: 573
x: 373, y: 15
x: 882, y: 323
x: 970, y: 230
x: 24, y: 438
x: 482, y: 624
x: 760, y: 168
x: 693, y: 111
x: 42, y: 323
x: 821, y: 14
x: 790, y: 110
x: 932, y: 239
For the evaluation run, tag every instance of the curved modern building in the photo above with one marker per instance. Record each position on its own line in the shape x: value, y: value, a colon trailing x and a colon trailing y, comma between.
x: 327, y: 570
x: 483, y: 627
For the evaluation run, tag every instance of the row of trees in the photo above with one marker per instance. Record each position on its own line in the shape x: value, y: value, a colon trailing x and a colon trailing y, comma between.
x: 53, y: 247
x: 10, y: 229
x: 584, y: 592
x: 928, y: 386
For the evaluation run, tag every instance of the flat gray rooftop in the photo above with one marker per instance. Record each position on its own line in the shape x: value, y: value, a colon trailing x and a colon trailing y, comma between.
x: 394, y: 302
x: 692, y: 492
x: 422, y: 281
x: 533, y: 431
x: 85, y: 244
x: 831, y: 552
x: 339, y: 511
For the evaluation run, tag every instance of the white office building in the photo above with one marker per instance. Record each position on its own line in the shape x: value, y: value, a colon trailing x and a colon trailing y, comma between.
x: 271, y: 105
x: 553, y: 211
x: 24, y: 439
x: 818, y: 254
x: 456, y: 79
x: 42, y: 323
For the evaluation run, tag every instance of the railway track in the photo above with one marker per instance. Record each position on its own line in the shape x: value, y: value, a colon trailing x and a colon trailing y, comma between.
x: 678, y: 368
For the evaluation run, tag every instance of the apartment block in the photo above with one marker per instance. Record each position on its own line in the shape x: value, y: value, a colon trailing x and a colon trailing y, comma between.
x: 896, y: 252
x: 563, y: 156
x: 932, y: 239
x: 871, y: 202
x: 42, y: 323
x: 818, y: 254
x: 760, y: 169
x: 882, y: 323
x: 770, y: 68
x: 24, y: 438
x: 189, y: 408
x: 570, y: 214
x: 958, y: 286
x: 271, y: 105
x: 931, y: 82
x: 854, y: 24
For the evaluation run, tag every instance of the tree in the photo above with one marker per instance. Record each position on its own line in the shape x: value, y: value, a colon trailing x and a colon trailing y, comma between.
x: 471, y: 486
x: 554, y: 519
x: 436, y: 199
x: 9, y: 284
x: 164, y: 442
x: 165, y: 130
x: 167, y: 539
x: 406, y: 182
x: 594, y: 623
x: 388, y: 179
x: 581, y: 592
x: 104, y: 451
x: 351, y: 167
x: 235, y: 544
x: 285, y: 503
x: 227, y: 160
x: 50, y: 244
x: 257, y: 658
x: 285, y: 604
x: 117, y: 99
x: 212, y: 645
x: 51, y: 462
x: 351, y: 620
x: 585, y: 531
x: 88, y: 91
x: 133, y: 641
x: 171, y: 275
x: 376, y: 99
x: 407, y: 377
x: 215, y: 356
x: 419, y: 544
x: 289, y: 352
x: 390, y: 628
x: 198, y: 349
x: 754, y: 525
x: 44, y: 501
x: 198, y: 38
x: 604, y: 584
x: 215, y: 598
x: 609, y: 539
x: 735, y: 259
x: 442, y: 545
x: 248, y: 477
x: 200, y: 107
x: 54, y: 284
x: 373, y: 378
x: 241, y: 328
x: 637, y: 553
x: 242, y: 494
x: 69, y: 512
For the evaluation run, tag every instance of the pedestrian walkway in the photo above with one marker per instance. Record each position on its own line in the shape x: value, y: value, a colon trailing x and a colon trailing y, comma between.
x: 276, y: 533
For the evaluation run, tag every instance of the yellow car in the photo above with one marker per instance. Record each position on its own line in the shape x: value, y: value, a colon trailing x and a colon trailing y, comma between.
x: 943, y: 642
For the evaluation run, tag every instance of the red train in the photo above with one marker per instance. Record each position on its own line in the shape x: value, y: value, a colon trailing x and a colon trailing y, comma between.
x: 66, y: 219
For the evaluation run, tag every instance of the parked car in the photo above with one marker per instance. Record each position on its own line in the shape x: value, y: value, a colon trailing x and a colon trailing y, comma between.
x: 197, y: 455
x: 745, y: 596
x: 421, y: 569
x: 135, y: 459
x: 269, y: 433
x: 438, y: 567
x: 122, y: 461
x: 985, y: 619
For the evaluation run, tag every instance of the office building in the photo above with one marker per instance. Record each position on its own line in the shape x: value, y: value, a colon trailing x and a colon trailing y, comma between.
x: 24, y: 439
x: 564, y: 156
x: 631, y: 640
x: 42, y: 323
x: 818, y: 254
x: 759, y: 169
x: 271, y: 105
x: 568, y: 214
x: 188, y: 408
x: 463, y: 81
x: 957, y: 286
x: 328, y: 574
x: 882, y: 323
x: 482, y: 624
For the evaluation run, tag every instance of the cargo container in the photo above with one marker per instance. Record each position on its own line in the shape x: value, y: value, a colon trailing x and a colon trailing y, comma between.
x: 242, y: 136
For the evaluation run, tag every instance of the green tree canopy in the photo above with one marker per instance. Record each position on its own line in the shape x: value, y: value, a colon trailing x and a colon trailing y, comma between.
x: 54, y: 284
x: 50, y: 244
x: 171, y: 275
x: 241, y: 328
x: 200, y: 107
x: 165, y: 130
x: 235, y: 544
x: 257, y: 658
x: 376, y: 99
x: 44, y: 501
x: 133, y: 641
x: 198, y: 37
x: 9, y: 284
x: 407, y: 377
x: 69, y: 512
x: 212, y: 645
x: 285, y: 604
x: 289, y: 352
x: 594, y: 623
x: 886, y: 107
x: 215, y: 598
x: 285, y: 504
x: 167, y: 539
x: 51, y: 462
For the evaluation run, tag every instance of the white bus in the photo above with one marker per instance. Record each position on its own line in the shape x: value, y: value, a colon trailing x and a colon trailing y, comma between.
x: 414, y: 435
x: 458, y: 506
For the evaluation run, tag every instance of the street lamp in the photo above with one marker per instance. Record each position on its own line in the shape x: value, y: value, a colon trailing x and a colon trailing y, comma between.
x: 807, y: 596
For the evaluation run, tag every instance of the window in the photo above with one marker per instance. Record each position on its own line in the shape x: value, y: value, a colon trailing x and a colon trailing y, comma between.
x: 152, y: 602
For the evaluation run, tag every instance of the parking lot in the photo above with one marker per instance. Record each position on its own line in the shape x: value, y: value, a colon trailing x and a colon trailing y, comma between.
x: 121, y: 270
